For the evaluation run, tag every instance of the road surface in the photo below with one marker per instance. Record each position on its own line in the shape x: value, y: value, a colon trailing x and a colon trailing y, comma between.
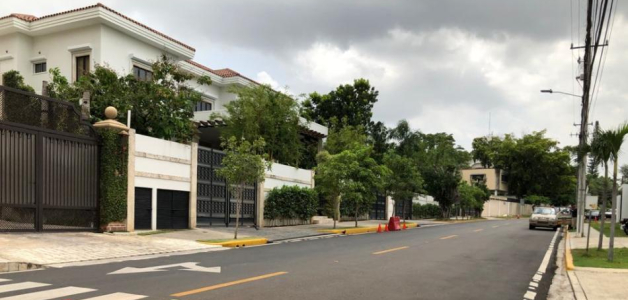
x: 479, y: 260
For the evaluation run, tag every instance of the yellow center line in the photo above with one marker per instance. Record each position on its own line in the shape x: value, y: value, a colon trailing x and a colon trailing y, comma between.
x: 226, y: 284
x: 495, y: 226
x: 478, y: 230
x: 448, y: 237
x: 391, y: 250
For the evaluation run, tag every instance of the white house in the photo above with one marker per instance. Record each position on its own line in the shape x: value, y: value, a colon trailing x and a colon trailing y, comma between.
x: 77, y: 40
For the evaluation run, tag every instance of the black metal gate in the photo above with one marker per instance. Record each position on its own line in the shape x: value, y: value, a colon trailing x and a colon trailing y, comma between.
x: 378, y: 211
x: 399, y: 209
x: 215, y: 205
x: 173, y: 209
x: 48, y: 165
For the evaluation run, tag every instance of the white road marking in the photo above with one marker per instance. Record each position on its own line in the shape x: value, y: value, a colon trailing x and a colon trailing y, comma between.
x: 3, y: 280
x: 21, y: 286
x: 188, y: 266
x: 530, y: 295
x: 50, y: 294
x: 118, y: 296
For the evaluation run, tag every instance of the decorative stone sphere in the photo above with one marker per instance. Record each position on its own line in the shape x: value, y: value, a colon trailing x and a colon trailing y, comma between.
x: 111, y: 112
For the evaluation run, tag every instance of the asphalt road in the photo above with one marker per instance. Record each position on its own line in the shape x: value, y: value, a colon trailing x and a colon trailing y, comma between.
x: 480, y: 260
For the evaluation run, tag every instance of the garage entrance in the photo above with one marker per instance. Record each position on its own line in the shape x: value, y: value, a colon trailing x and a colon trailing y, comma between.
x: 143, y: 208
x: 173, y: 209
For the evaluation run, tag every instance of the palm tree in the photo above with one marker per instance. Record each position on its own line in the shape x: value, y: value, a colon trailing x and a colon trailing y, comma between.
x: 615, y: 139
x: 601, y: 153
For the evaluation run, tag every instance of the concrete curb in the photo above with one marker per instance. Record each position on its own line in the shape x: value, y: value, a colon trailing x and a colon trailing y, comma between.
x: 568, y: 256
x: 351, y: 231
x: 6, y: 267
x: 241, y: 243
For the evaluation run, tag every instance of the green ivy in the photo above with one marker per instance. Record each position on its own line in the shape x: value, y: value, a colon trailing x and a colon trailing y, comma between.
x: 291, y: 202
x: 113, y: 177
x: 426, y: 211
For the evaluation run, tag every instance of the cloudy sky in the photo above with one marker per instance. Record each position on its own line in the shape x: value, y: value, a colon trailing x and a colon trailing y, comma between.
x: 442, y: 65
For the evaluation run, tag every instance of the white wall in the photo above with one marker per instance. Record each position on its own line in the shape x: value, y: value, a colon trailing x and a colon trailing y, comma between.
x: 498, y: 208
x: 623, y: 205
x: 166, y: 165
x: 280, y: 175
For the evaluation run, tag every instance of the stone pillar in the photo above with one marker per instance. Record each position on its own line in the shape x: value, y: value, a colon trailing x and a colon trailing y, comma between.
x: 130, y: 188
x: 85, y: 104
x: 111, y: 124
x: 260, y: 204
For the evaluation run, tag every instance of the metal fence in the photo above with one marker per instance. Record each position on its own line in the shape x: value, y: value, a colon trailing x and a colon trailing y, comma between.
x: 48, y: 165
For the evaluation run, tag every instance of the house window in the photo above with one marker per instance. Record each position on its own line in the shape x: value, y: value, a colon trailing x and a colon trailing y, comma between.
x: 142, y: 74
x: 504, y: 178
x: 40, y: 67
x: 203, y: 105
x: 478, y: 178
x: 82, y: 66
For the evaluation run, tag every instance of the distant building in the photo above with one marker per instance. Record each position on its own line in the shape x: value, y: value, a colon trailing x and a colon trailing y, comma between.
x: 495, y: 179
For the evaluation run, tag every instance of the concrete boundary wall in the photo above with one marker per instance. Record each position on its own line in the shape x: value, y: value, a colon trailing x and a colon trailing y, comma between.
x: 160, y: 164
x: 500, y: 208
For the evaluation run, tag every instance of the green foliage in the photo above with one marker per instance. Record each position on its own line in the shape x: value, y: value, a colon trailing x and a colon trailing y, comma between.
x: 404, y: 180
x: 426, y: 211
x: 260, y: 111
x: 242, y: 164
x: 345, y: 138
x: 537, y: 200
x: 602, y: 187
x: 350, y: 176
x: 353, y: 103
x: 291, y: 202
x: 161, y: 107
x: 624, y: 173
x: 378, y: 135
x: 472, y: 197
x: 113, y: 177
x: 14, y: 79
x: 534, y: 163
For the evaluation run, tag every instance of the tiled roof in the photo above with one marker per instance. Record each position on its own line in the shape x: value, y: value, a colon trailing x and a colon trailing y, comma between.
x: 225, y: 73
x: 30, y: 18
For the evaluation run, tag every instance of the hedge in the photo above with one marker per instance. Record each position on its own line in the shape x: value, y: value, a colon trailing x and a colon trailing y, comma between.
x: 113, y: 177
x: 426, y: 211
x: 291, y: 202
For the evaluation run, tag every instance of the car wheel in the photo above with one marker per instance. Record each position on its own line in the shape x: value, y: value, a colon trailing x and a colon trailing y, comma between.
x: 531, y: 227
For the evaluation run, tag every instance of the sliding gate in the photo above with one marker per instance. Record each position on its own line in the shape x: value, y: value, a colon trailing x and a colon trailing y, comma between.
x: 48, y: 165
x: 215, y: 204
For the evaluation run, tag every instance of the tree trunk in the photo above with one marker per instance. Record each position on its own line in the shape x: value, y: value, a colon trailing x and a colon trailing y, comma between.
x: 238, y: 209
x: 611, y: 240
x: 603, y: 211
x: 356, y: 215
x: 403, y: 210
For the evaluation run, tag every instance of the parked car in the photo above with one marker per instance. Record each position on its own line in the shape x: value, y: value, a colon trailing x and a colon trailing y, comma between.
x: 593, y: 214
x: 544, y: 217
x: 609, y: 212
x: 624, y: 225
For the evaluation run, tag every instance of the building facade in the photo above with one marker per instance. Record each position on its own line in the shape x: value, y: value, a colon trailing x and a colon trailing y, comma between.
x: 496, y: 180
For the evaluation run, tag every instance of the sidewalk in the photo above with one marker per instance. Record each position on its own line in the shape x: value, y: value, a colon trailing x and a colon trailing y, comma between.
x: 615, y: 283
x: 59, y: 248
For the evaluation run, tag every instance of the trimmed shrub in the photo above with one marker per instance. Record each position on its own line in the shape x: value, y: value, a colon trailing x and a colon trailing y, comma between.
x: 113, y: 177
x: 426, y: 211
x: 291, y: 202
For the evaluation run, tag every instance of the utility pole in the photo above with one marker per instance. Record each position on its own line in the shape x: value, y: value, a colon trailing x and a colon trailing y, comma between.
x: 584, y: 123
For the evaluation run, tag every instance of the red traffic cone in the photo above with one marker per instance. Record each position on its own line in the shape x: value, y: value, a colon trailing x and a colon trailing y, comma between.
x: 386, y: 228
x: 379, y: 228
x: 404, y: 226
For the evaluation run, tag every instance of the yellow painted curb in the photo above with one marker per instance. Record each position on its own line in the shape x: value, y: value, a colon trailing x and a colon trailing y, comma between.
x: 241, y: 243
x: 350, y: 231
x: 568, y: 257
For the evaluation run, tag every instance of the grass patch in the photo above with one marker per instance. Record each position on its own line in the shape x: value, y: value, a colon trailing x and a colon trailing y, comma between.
x: 607, y: 229
x: 214, y: 241
x: 598, y: 259
x: 159, y: 231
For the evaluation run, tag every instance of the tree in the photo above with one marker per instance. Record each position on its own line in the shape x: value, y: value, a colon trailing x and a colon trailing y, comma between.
x: 353, y: 103
x: 331, y: 174
x: 484, y: 150
x: 601, y: 153
x: 161, y: 106
x: 614, y: 139
x: 242, y: 164
x: 345, y: 138
x: 537, y: 200
x: 260, y: 111
x: 440, y: 168
x: 472, y: 197
x: 404, y: 181
x: 14, y: 79
x: 378, y: 136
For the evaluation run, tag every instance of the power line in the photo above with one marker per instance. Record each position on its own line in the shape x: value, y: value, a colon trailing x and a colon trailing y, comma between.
x: 596, y: 87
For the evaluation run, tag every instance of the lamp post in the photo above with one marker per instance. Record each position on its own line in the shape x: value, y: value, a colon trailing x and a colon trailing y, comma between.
x: 550, y: 91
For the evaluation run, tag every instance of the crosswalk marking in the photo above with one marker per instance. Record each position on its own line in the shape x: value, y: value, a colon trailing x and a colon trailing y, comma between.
x: 118, y: 296
x: 20, y: 286
x: 50, y: 294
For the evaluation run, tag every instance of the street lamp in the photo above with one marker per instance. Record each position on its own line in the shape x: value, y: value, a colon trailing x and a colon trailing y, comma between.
x: 550, y: 91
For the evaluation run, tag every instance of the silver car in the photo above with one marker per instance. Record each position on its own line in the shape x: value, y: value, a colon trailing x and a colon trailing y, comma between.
x: 544, y: 217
